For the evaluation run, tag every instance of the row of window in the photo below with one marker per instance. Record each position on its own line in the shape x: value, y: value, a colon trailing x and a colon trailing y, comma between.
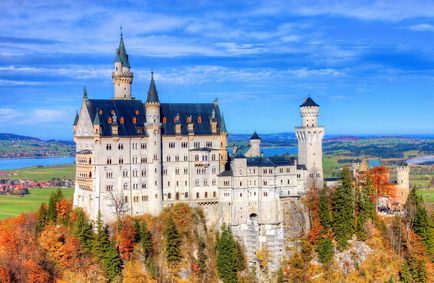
x: 134, y: 160
x: 121, y: 146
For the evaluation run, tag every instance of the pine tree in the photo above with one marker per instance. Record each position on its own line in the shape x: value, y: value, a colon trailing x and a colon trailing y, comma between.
x: 82, y: 230
x: 105, y: 251
x: 343, y: 211
x: 324, y: 207
x: 324, y: 249
x: 173, y: 241
x: 42, y: 218
x: 112, y: 261
x: 365, y: 211
x: 100, y: 242
x: 146, y: 240
x: 55, y: 197
x: 201, y: 256
x: 227, y: 255
x: 421, y: 226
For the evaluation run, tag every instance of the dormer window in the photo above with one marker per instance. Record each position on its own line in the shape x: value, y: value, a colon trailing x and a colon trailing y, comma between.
x: 121, y: 120
x: 100, y: 112
x: 134, y: 120
x: 109, y: 120
x: 164, y: 120
x: 112, y: 112
x: 189, y: 119
x: 199, y: 119
x: 136, y: 112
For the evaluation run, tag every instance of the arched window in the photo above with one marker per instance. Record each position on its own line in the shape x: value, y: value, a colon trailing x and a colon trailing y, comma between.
x: 199, y: 119
x: 196, y: 157
x: 213, y: 157
x: 164, y: 120
x: 134, y: 120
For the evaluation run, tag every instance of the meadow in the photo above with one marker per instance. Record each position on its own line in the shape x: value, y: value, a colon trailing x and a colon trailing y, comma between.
x: 45, y: 173
x: 11, y: 206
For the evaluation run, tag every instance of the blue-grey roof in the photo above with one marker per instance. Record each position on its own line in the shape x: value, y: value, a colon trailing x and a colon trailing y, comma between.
x: 152, y: 92
x: 125, y: 110
x: 270, y: 161
x: 121, y: 54
x: 309, y: 102
x: 241, y: 151
x: 202, y: 126
x: 255, y: 136
x: 76, y: 119
x: 226, y: 173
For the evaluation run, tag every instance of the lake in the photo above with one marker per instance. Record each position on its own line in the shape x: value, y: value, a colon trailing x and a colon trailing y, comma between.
x: 421, y: 159
x: 6, y: 164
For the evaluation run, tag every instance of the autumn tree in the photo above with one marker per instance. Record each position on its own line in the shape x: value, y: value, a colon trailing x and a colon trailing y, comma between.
x: 126, y: 237
x: 299, y: 263
x: 82, y: 230
x: 172, y: 242
x: 380, y: 182
x: 343, y: 210
x: 312, y: 200
x: 63, y: 209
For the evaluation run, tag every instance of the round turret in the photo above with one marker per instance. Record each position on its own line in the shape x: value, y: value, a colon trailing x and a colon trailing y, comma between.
x: 309, y: 111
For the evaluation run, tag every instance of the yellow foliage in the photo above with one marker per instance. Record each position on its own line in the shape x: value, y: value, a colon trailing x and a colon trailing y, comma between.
x: 262, y: 256
x: 134, y: 272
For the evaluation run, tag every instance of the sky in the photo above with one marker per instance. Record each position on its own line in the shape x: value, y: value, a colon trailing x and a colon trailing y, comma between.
x: 368, y: 64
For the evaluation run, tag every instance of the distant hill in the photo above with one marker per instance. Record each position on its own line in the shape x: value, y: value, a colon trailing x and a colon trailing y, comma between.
x: 18, y: 146
x: 13, y: 137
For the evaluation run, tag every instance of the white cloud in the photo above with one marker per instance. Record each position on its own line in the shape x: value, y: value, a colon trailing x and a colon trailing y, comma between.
x: 422, y: 27
x: 14, y: 117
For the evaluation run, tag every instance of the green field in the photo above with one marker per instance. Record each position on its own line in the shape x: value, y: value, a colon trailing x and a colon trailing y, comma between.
x: 45, y: 173
x: 427, y: 195
x: 11, y: 206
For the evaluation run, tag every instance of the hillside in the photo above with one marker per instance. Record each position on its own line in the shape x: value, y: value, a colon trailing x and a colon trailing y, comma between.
x: 16, y: 146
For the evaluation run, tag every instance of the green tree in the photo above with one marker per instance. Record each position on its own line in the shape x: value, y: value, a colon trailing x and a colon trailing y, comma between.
x: 42, y: 218
x: 343, y: 210
x: 324, y: 249
x: 82, y: 230
x: 146, y: 240
x: 421, y: 226
x: 365, y: 210
x: 229, y: 255
x: 105, y: 250
x: 55, y: 197
x: 201, y: 256
x: 324, y: 207
x: 172, y: 242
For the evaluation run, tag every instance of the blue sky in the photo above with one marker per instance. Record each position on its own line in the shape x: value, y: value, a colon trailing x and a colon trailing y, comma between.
x: 369, y: 64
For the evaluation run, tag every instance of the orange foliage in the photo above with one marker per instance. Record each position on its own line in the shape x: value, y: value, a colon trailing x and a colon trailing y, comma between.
x: 20, y: 258
x: 312, y: 199
x: 61, y: 246
x: 125, y: 238
x: 380, y: 181
x: 63, y: 208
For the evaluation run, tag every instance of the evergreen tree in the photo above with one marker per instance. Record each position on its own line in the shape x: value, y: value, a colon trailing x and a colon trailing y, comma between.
x: 172, y: 242
x: 201, y: 256
x: 227, y: 256
x: 324, y: 207
x: 112, y: 261
x: 365, y: 210
x: 42, y: 218
x: 324, y: 249
x: 137, y: 228
x: 105, y: 250
x: 82, y: 230
x: 421, y: 226
x: 100, y: 243
x: 146, y: 240
x: 343, y: 211
x: 55, y: 197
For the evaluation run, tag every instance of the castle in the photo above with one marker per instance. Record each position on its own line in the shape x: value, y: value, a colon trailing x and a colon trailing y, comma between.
x: 134, y: 158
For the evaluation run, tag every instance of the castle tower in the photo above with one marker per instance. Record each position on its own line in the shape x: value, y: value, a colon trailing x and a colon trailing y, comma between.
x: 255, y: 146
x: 403, y: 183
x: 153, y: 128
x: 122, y: 76
x: 310, y: 137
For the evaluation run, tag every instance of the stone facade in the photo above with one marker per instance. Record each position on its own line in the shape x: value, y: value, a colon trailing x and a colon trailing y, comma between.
x: 135, y: 158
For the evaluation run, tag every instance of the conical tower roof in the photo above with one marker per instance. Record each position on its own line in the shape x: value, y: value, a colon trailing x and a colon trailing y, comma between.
x: 121, y: 54
x: 76, y: 119
x: 152, y: 92
x: 309, y: 102
x: 255, y: 136
x: 223, y: 125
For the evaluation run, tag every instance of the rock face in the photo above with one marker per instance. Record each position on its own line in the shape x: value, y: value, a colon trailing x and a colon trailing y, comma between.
x: 354, y: 256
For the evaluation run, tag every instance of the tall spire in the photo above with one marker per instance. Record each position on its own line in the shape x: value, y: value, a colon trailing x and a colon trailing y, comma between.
x: 121, y: 53
x: 84, y: 92
x: 223, y: 125
x: 76, y: 119
x: 96, y: 121
x: 152, y: 92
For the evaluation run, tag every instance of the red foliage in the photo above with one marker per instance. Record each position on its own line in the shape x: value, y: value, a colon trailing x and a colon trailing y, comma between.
x: 126, y: 237
x: 195, y: 267
x: 380, y: 181
x: 312, y: 199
